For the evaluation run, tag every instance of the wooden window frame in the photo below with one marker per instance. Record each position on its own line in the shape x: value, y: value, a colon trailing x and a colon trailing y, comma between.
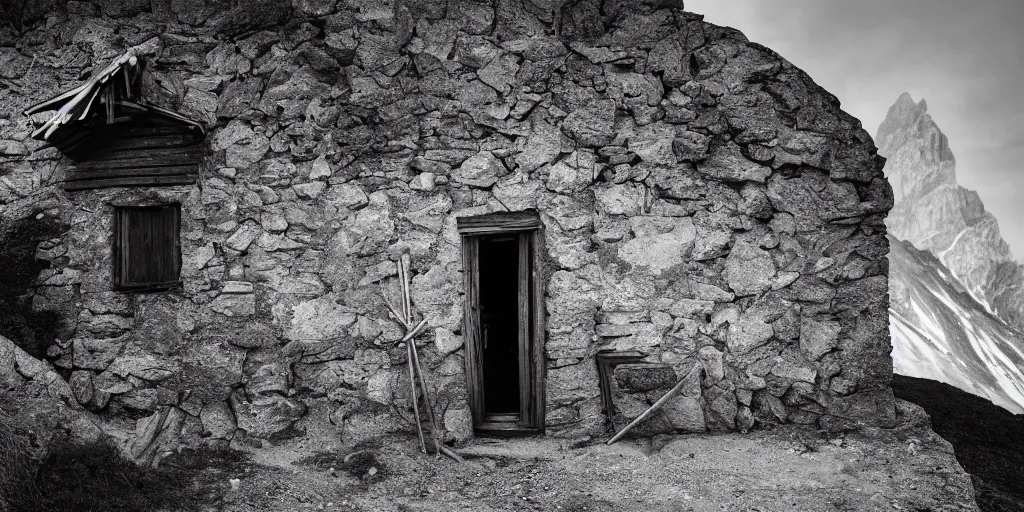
x: 606, y: 363
x: 119, y: 264
x: 527, y: 225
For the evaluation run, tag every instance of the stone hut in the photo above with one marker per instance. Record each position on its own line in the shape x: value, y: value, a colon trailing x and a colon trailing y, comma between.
x: 597, y: 200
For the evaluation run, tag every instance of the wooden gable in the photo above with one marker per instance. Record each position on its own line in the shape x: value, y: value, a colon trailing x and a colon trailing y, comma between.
x: 115, y: 138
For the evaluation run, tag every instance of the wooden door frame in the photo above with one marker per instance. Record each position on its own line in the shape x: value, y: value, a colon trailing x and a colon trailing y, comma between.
x: 528, y: 227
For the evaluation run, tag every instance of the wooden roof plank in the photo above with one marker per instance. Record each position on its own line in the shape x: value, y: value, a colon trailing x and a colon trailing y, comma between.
x: 44, y: 106
x: 88, y: 105
x: 174, y: 115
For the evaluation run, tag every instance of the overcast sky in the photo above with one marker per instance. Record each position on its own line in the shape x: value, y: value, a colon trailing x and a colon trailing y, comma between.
x: 964, y: 57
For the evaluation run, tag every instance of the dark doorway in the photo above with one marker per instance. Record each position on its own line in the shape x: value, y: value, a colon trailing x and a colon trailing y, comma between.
x: 499, y: 323
x: 504, y: 322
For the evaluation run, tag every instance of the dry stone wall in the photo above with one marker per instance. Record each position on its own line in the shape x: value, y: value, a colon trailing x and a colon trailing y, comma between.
x: 703, y: 202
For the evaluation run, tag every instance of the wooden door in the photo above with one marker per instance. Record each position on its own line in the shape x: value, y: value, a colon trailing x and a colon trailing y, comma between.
x: 527, y: 307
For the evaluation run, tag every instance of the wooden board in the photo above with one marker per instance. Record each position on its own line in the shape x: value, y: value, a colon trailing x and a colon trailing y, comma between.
x: 131, y: 181
x: 113, y: 143
x: 499, y: 222
x: 147, y: 158
x: 471, y: 328
x: 106, y: 173
x: 126, y: 130
x: 538, y: 322
x: 523, y: 305
x: 606, y: 363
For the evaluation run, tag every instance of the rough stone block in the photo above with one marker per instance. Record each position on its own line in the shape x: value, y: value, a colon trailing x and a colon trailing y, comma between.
x: 643, y: 377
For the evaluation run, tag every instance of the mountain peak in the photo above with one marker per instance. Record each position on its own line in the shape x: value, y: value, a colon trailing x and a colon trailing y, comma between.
x: 906, y: 116
x: 906, y: 104
x: 934, y: 213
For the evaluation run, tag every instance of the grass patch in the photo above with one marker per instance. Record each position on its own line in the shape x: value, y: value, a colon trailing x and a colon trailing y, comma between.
x: 96, y: 477
x: 17, y: 468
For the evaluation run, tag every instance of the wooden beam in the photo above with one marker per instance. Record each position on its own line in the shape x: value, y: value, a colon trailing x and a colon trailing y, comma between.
x: 538, y: 323
x: 174, y: 115
x: 499, y: 222
x: 166, y: 170
x: 523, y: 305
x: 139, y: 181
x: 471, y: 328
x: 129, y: 159
x: 113, y: 141
x: 126, y: 131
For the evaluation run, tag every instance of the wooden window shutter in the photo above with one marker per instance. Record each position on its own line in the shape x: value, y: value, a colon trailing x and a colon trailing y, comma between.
x: 147, y: 254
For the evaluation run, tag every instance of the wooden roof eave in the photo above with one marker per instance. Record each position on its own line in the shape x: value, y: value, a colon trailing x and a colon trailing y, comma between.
x: 176, y: 116
x: 79, y: 101
x: 85, y: 91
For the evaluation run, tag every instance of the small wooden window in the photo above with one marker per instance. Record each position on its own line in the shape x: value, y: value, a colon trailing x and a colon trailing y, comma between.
x: 147, y: 254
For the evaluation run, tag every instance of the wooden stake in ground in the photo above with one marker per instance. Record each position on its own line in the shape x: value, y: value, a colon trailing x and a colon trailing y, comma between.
x: 416, y: 377
x: 650, y: 410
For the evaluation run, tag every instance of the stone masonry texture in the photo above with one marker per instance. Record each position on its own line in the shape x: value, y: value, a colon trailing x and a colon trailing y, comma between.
x: 703, y: 202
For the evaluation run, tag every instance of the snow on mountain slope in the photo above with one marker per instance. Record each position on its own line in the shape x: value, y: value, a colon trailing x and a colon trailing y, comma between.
x: 941, y: 332
x: 934, y: 213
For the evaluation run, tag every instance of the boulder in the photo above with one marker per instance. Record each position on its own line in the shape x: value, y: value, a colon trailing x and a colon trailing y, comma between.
x: 592, y: 124
x: 659, y: 252
x: 721, y: 408
x: 749, y: 270
x: 266, y: 415
x: 644, y: 377
x: 481, y: 170
x: 817, y: 338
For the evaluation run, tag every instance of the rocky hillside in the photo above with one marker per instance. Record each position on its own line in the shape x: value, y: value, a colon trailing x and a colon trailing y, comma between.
x: 986, y: 439
x: 935, y: 214
x: 940, y: 332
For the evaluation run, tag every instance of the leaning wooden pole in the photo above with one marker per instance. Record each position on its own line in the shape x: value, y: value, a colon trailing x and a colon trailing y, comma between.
x: 404, y: 272
x: 403, y: 315
x: 650, y: 410
x: 415, y: 400
x: 426, y: 398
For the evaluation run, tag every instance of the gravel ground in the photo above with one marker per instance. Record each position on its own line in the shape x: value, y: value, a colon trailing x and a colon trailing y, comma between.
x: 778, y: 469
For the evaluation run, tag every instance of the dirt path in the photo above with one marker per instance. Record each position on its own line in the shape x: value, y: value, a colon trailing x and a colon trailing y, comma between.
x: 781, y: 469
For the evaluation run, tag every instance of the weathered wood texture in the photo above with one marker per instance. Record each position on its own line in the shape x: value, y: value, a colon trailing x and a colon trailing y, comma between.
x: 530, y: 306
x: 523, y: 305
x: 606, y: 363
x: 147, y: 150
x: 538, y: 322
x: 146, y: 247
x: 500, y: 222
x: 471, y: 332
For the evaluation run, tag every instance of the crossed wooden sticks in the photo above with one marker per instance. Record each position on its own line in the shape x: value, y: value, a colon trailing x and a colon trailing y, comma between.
x: 405, y: 318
